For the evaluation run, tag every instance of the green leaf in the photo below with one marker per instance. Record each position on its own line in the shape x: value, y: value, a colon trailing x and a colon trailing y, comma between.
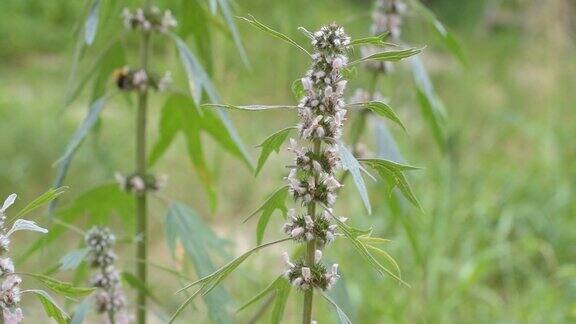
x: 137, y: 284
x: 387, y: 257
x: 72, y: 259
x: 76, y: 140
x: 277, y: 200
x: 449, y: 40
x: 272, y: 144
x: 91, y: 25
x: 280, y: 301
x: 390, y: 56
x: 381, y: 109
x: 353, y: 236
x: 194, y: 20
x: 50, y: 307
x: 185, y: 226
x: 393, y: 174
x: 373, y: 40
x: 45, y: 198
x: 81, y: 311
x: 100, y: 203
x: 387, y: 147
x: 298, y: 89
x: 430, y: 105
x: 250, y: 108
x: 61, y: 288
x: 252, y: 21
x: 349, y: 163
x: 341, y: 315
x: 229, y: 18
x: 270, y: 289
x: 208, y: 283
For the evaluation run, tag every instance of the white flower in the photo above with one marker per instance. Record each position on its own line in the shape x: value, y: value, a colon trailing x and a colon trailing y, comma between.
x: 317, y: 256
x: 306, y: 274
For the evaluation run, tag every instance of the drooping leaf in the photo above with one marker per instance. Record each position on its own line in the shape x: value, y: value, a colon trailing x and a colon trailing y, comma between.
x: 194, y: 21
x: 76, y: 140
x: 341, y: 315
x: 251, y: 108
x: 183, y: 225
x: 430, y: 104
x: 81, y: 311
x: 276, y: 201
x: 72, y: 259
x: 50, y: 307
x: 381, y: 109
x: 349, y: 163
x: 208, y: 283
x: 272, y: 144
x: 449, y: 40
x: 61, y: 288
x: 229, y: 18
x: 252, y: 21
x: 393, y: 174
x: 91, y: 25
x: 390, y: 56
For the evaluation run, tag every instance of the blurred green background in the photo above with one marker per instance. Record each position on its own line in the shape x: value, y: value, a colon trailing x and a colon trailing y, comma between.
x: 496, y: 242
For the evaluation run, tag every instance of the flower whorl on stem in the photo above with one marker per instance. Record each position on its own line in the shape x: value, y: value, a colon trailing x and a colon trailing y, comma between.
x: 312, y: 179
x: 110, y: 298
x: 10, y: 283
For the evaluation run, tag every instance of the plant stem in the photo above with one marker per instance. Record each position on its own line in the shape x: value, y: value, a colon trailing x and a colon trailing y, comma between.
x: 141, y: 214
x: 310, y: 253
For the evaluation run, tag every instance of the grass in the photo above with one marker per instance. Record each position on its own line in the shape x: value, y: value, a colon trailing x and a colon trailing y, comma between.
x: 496, y: 241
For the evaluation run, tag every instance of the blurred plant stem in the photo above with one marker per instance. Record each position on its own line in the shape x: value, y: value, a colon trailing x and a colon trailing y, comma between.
x: 310, y: 253
x: 141, y: 214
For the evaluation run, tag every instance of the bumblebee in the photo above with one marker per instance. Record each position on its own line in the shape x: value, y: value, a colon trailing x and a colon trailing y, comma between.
x: 123, y: 78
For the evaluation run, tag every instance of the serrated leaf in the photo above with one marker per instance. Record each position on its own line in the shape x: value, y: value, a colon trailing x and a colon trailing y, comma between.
x: 252, y: 21
x: 208, y: 283
x: 72, y: 259
x: 393, y: 174
x: 276, y: 200
x: 389, y: 56
x: 353, y: 236
x: 50, y: 307
x: 349, y: 163
x: 91, y: 25
x: 449, y: 40
x: 272, y: 144
x: 61, y: 288
x: 373, y: 40
x: 77, y: 138
x: 381, y: 109
x: 387, y: 257
x: 185, y: 226
x: 430, y: 105
x: 341, y: 315
x: 250, y: 107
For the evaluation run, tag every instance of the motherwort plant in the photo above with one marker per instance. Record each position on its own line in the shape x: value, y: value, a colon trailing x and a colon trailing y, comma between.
x: 112, y: 73
x: 319, y: 154
x: 11, y: 281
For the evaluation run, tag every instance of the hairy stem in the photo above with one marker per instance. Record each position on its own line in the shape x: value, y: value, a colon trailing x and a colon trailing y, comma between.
x: 141, y: 214
x: 310, y: 252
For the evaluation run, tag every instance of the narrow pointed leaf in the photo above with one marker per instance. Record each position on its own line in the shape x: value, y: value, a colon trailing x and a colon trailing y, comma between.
x: 349, y: 163
x: 50, y: 307
x: 81, y: 311
x: 389, y: 56
x: 229, y: 18
x: 61, y: 288
x: 91, y: 25
x: 276, y: 201
x: 252, y: 21
x: 382, y: 109
x: 342, y: 317
x: 73, y: 259
x: 373, y: 40
x: 250, y: 108
x: 45, y: 198
x: 272, y: 144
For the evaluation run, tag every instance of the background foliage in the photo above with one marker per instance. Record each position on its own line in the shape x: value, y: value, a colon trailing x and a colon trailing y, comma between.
x: 496, y: 239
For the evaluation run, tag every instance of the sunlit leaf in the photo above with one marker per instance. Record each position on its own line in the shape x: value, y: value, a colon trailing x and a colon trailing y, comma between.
x: 349, y: 163
x: 276, y: 201
x: 183, y: 225
x: 393, y: 174
x: 372, y: 40
x: 50, y: 307
x: 272, y: 144
x: 252, y: 21
x: 389, y: 56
